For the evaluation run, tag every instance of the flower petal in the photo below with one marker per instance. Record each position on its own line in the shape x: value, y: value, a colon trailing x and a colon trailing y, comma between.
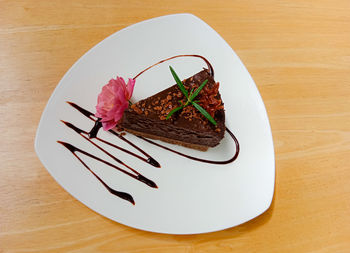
x: 130, y: 88
x: 113, y: 101
x: 108, y: 125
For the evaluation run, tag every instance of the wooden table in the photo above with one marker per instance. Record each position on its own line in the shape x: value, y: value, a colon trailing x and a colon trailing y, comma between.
x: 298, y: 52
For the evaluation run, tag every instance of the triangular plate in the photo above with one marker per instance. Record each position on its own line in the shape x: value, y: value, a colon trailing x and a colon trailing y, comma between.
x: 192, y: 197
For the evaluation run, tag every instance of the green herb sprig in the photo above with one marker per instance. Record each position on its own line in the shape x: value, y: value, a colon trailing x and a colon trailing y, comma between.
x: 190, y: 98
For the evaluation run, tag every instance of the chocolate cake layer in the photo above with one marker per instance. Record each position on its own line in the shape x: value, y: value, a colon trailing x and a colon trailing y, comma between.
x: 185, y: 127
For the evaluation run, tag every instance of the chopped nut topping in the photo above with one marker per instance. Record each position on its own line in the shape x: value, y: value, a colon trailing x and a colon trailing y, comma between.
x: 136, y: 109
x: 208, y: 98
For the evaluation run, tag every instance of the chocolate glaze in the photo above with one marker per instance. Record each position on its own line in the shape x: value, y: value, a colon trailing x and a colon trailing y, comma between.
x: 146, y: 116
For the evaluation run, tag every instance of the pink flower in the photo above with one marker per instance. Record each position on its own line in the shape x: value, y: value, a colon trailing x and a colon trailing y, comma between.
x: 113, y: 100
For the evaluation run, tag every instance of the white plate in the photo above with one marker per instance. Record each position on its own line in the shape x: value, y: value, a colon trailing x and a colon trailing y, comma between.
x: 193, y: 197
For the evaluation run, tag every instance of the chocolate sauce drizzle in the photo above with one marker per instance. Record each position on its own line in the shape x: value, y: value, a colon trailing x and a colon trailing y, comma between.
x: 75, y: 150
x: 98, y: 125
x: 234, y: 157
x: 138, y: 176
x: 211, y: 70
x: 89, y: 136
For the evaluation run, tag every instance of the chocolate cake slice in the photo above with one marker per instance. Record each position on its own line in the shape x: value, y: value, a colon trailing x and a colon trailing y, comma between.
x: 186, y: 127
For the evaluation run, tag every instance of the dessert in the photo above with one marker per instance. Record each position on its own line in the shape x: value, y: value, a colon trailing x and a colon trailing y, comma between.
x: 189, y: 113
x: 187, y: 126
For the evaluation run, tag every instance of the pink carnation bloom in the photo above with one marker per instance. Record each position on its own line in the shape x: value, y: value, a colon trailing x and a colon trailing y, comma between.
x: 113, y: 100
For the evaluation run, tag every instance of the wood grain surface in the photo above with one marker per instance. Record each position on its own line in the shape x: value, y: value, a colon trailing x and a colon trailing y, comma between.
x: 298, y: 53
